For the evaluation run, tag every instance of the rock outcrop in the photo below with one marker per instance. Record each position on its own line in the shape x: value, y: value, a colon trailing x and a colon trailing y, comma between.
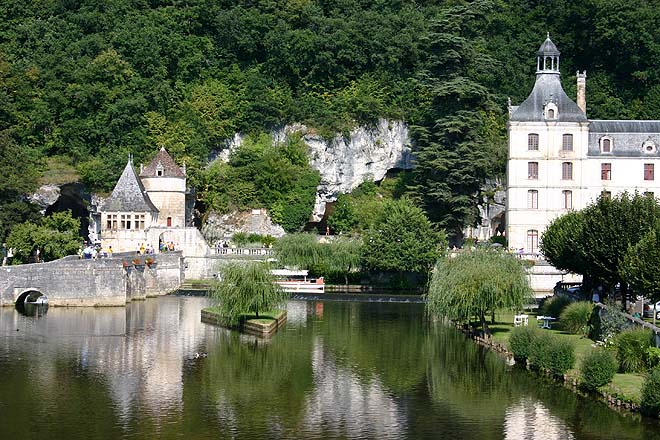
x: 218, y: 227
x: 367, y: 153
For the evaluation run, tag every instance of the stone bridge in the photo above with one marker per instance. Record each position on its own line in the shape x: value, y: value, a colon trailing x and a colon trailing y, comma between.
x: 103, y: 282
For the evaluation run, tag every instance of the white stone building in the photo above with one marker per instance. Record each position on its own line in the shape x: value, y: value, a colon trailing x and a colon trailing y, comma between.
x: 559, y: 160
x: 150, y: 209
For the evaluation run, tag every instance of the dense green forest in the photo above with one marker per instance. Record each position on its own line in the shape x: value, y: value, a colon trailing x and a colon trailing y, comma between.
x: 83, y: 83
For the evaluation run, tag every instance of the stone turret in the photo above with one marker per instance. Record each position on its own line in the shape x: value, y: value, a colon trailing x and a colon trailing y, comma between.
x: 165, y: 183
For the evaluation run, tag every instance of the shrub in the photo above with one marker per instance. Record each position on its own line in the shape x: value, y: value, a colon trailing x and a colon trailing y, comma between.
x: 538, y: 350
x: 598, y: 368
x: 631, y: 347
x: 607, y: 323
x: 651, y: 394
x: 240, y: 239
x: 561, y: 353
x: 550, y: 353
x: 555, y: 305
x: 575, y: 317
x: 653, y: 357
x: 521, y: 340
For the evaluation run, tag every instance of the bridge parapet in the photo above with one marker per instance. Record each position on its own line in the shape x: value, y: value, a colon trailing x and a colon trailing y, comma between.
x: 101, y: 282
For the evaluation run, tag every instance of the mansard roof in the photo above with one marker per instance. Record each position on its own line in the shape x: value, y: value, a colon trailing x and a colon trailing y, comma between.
x: 164, y: 162
x: 548, y: 89
x: 129, y: 194
x: 622, y: 126
x: 629, y: 138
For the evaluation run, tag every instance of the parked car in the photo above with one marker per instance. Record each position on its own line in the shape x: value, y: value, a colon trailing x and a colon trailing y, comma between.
x: 649, y: 308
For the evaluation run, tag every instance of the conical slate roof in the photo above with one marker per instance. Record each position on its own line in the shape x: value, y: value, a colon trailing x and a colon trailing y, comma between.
x: 548, y: 48
x: 129, y: 194
x: 162, y: 161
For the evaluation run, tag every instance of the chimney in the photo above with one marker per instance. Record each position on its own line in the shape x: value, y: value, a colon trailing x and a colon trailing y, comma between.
x: 582, y: 91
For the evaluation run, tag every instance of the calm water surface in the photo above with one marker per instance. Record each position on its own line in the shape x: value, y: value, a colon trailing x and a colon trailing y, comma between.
x: 337, y: 370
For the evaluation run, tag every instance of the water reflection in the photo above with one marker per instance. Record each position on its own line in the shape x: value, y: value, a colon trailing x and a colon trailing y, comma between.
x: 337, y: 370
x: 531, y: 420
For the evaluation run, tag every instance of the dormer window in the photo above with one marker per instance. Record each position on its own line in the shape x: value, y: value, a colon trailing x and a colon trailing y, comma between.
x: 159, y: 170
x: 606, y: 144
x: 550, y: 111
x: 648, y: 147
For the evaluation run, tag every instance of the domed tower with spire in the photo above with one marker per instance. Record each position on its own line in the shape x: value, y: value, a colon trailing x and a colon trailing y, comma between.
x: 548, y: 137
x: 165, y: 182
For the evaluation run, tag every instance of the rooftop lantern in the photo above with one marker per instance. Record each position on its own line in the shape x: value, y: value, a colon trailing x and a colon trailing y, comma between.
x: 547, y: 57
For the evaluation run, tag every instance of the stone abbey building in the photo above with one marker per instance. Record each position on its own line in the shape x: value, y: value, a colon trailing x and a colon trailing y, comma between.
x: 559, y: 160
x: 150, y: 209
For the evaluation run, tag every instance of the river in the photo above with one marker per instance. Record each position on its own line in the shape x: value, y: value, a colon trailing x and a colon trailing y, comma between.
x: 344, y: 370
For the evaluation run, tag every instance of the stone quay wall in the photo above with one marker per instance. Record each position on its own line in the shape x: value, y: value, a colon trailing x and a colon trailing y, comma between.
x: 103, y: 282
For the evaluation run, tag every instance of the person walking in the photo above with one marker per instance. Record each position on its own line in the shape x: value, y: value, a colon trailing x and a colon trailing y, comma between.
x: 4, y: 254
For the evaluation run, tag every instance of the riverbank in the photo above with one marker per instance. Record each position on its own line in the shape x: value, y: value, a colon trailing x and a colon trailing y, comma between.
x: 623, y: 392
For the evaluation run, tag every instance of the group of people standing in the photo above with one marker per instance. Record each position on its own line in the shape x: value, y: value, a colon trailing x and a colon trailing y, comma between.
x: 89, y: 251
x: 143, y: 249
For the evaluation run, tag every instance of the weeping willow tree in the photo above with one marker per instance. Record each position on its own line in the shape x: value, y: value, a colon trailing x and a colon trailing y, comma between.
x: 343, y: 256
x: 304, y: 251
x: 478, y: 283
x: 246, y: 289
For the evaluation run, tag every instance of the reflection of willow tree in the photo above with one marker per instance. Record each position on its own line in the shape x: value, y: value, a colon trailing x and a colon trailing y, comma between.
x: 470, y: 380
x: 258, y: 383
x: 385, y: 340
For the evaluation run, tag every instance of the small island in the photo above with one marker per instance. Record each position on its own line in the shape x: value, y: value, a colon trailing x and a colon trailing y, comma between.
x: 248, y: 300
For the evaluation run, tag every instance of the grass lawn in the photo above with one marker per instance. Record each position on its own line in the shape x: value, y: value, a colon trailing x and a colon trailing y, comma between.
x: 624, y: 386
x: 265, y: 317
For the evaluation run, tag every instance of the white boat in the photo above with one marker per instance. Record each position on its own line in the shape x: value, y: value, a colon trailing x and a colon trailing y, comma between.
x: 297, y: 281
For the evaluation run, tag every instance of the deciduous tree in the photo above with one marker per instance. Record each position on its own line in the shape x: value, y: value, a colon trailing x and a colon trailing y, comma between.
x: 402, y: 241
x: 245, y: 289
x: 478, y: 283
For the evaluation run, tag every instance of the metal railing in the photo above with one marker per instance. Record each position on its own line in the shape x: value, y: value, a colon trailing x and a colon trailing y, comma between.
x: 248, y: 252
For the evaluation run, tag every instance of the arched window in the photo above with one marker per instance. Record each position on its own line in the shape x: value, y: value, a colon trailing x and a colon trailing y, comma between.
x: 567, y: 171
x: 532, y: 141
x: 169, y: 221
x: 551, y: 113
x: 532, y: 240
x: 532, y: 199
x: 532, y: 170
x: 568, y: 199
x: 606, y: 145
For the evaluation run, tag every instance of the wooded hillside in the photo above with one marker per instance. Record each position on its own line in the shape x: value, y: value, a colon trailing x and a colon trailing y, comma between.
x: 87, y: 82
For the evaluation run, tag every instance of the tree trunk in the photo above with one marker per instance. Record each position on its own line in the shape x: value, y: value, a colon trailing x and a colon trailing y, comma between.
x: 492, y: 317
x: 484, y: 324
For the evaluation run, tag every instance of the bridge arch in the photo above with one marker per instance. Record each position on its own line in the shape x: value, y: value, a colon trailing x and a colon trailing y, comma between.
x: 30, y: 296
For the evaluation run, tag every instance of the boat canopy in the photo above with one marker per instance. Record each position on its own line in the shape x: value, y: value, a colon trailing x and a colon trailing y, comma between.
x: 289, y: 273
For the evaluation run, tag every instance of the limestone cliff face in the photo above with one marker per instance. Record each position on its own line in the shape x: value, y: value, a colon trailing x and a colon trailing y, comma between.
x: 367, y: 153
